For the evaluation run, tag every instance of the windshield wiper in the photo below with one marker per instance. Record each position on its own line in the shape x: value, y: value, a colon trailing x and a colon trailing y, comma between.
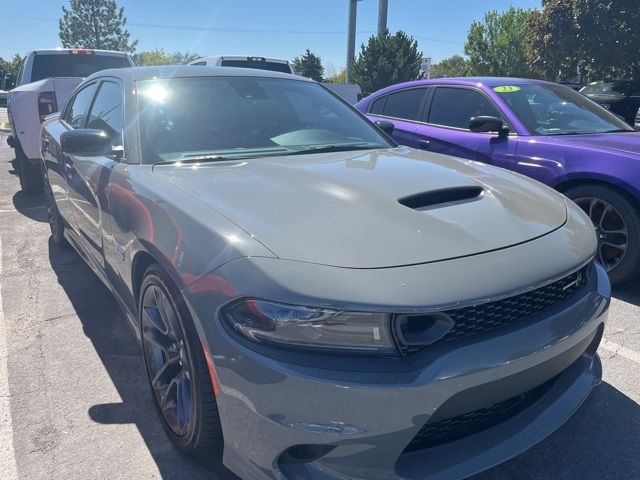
x: 333, y: 148
x: 190, y: 160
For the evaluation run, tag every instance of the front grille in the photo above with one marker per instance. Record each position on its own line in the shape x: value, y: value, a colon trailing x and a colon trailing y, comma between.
x: 455, y: 428
x: 485, y: 317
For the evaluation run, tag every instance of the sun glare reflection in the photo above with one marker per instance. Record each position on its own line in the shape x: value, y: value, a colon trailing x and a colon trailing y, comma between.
x: 156, y: 93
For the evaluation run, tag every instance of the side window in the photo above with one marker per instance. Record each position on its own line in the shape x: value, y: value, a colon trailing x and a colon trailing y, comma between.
x: 377, y: 105
x: 107, y: 113
x: 404, y: 104
x: 77, y: 109
x: 453, y: 107
x: 200, y: 63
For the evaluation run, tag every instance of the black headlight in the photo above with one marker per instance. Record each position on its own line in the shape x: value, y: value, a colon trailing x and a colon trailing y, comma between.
x: 307, y: 327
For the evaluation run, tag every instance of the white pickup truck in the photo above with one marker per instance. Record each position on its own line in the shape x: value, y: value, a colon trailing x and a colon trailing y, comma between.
x: 44, y: 83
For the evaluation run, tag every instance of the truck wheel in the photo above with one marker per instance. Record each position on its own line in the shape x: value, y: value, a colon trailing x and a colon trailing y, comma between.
x: 29, y: 172
x: 56, y: 222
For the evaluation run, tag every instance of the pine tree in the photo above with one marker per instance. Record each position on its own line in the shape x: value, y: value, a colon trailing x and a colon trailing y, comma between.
x: 385, y: 60
x: 95, y: 24
x: 309, y: 66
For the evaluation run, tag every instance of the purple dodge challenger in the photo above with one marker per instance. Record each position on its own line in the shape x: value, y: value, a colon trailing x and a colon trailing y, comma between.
x: 540, y: 129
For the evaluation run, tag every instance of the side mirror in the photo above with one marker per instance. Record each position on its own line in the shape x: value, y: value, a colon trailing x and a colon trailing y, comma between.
x: 86, y: 142
x: 386, y: 126
x: 9, y: 83
x: 484, y: 124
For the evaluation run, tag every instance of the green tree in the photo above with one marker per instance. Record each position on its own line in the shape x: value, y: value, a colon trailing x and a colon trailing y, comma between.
x: 182, y: 58
x: 337, y: 77
x: 309, y: 66
x: 387, y: 59
x: 95, y: 24
x: 10, y: 66
x: 153, y: 57
x: 498, y: 45
x: 455, y: 66
x: 587, y: 38
x: 159, y: 57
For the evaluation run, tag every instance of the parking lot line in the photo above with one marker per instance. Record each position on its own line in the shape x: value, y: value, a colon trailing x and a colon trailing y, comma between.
x: 620, y: 350
x: 7, y: 454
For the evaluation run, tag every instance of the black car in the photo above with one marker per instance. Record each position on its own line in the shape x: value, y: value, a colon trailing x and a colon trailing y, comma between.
x: 572, y: 85
x: 622, y: 97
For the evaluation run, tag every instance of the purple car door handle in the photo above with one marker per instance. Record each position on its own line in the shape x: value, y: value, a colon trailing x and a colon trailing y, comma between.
x: 424, y: 144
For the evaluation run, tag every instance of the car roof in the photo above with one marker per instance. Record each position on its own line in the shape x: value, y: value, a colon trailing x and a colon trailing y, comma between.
x: 181, y: 71
x: 469, y: 81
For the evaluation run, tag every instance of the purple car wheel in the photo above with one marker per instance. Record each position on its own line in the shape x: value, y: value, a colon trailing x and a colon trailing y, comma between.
x: 611, y: 229
x: 617, y: 227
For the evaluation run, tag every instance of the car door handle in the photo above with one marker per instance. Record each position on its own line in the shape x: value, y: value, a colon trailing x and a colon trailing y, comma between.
x: 424, y: 144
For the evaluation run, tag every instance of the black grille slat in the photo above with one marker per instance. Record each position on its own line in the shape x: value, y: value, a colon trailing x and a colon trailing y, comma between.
x: 485, y: 317
x: 456, y: 428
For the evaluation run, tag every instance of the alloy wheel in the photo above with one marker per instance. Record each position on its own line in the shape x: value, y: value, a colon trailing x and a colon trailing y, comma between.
x: 611, y: 229
x: 167, y: 360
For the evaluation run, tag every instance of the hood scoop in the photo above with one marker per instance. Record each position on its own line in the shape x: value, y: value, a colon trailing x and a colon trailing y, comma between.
x: 441, y: 197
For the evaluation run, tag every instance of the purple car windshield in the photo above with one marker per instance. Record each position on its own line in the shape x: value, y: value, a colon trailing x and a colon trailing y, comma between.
x: 558, y: 110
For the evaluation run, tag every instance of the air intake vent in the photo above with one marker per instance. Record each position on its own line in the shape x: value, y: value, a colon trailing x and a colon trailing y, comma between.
x: 426, y: 200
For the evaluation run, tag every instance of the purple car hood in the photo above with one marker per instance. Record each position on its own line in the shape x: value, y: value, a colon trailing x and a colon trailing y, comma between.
x: 343, y: 209
x: 627, y: 143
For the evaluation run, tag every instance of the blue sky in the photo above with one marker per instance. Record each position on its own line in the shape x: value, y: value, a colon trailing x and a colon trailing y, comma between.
x: 277, y: 28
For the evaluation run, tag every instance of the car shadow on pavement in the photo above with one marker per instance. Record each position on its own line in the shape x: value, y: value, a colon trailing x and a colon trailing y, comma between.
x: 115, y: 343
x: 599, y: 442
x: 31, y: 206
x: 628, y: 292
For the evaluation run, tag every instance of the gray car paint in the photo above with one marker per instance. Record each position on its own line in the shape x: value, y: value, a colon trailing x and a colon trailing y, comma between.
x: 228, y: 230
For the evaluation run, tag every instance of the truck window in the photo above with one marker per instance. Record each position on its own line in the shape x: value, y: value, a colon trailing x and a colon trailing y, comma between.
x: 258, y: 64
x: 68, y: 65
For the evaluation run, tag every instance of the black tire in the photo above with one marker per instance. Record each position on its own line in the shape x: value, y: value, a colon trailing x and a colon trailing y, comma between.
x: 628, y: 264
x: 29, y: 172
x: 203, y: 437
x: 56, y: 222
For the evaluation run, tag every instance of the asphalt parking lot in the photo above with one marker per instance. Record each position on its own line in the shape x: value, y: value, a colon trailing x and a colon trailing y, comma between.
x: 74, y: 401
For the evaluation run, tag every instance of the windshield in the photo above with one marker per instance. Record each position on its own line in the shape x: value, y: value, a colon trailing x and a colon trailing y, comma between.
x: 558, y: 110
x: 615, y: 89
x: 240, y: 117
x: 68, y: 65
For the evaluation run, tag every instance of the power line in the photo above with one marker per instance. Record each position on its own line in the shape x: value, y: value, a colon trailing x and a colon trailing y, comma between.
x: 232, y: 30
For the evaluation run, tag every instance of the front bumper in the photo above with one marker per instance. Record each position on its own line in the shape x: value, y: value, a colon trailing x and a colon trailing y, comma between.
x: 358, y: 417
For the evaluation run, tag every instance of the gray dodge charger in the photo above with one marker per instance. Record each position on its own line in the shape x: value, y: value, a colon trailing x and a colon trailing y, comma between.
x: 312, y: 300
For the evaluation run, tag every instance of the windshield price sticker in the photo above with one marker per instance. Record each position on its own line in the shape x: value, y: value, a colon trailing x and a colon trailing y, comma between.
x: 506, y: 89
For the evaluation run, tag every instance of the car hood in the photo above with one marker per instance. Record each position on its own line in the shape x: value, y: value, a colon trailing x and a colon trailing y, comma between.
x: 627, y: 143
x: 343, y: 209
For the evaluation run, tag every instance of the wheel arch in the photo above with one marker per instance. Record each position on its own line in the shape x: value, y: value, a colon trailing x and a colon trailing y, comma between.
x: 141, y: 261
x: 627, y: 191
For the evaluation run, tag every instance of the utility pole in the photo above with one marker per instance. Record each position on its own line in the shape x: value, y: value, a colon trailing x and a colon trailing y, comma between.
x: 351, y: 38
x: 382, y: 15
